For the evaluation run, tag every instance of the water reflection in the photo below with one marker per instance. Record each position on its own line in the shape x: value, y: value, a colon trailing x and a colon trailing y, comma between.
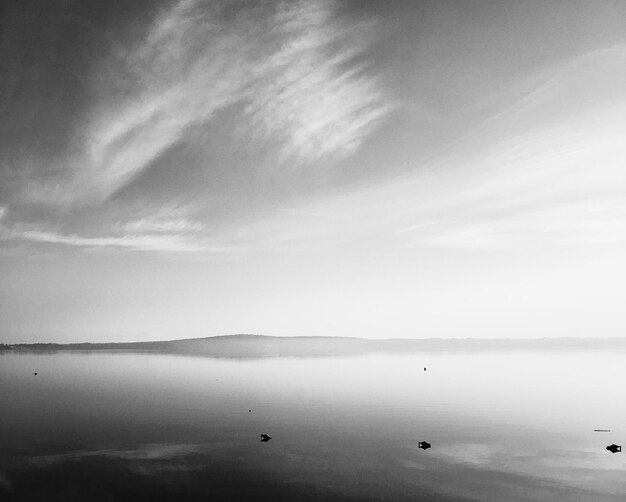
x: 505, y: 426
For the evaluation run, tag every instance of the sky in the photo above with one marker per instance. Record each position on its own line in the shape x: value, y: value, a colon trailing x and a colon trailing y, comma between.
x: 384, y: 169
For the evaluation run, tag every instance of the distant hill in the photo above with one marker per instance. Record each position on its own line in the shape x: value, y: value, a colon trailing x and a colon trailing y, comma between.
x: 272, y: 346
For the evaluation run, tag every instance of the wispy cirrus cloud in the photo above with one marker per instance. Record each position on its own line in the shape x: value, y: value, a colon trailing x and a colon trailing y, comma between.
x: 579, y: 223
x: 166, y: 243
x: 158, y: 233
x: 159, y: 225
x: 290, y: 66
x: 312, y: 96
x: 141, y: 235
x: 545, y: 171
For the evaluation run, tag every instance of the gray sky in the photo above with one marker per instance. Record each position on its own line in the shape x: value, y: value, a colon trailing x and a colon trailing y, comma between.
x: 358, y: 168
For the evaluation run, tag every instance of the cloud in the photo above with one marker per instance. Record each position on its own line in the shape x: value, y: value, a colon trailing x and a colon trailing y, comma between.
x: 584, y: 222
x: 167, y: 229
x: 314, y: 98
x: 162, y: 241
x: 156, y: 225
x: 290, y: 66
x: 524, y: 181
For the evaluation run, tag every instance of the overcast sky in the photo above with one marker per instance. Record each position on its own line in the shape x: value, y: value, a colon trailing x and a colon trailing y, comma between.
x: 351, y: 168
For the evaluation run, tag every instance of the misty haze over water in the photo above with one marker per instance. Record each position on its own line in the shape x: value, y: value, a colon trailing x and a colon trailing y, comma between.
x: 513, y: 425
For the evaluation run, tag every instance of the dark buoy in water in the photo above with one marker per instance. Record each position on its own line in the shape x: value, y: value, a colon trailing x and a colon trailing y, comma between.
x: 424, y: 369
x: 614, y: 448
x: 35, y: 373
x: 249, y: 411
x: 265, y: 438
x: 424, y: 445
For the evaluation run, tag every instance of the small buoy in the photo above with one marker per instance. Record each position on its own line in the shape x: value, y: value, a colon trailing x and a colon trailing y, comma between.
x: 424, y: 369
x: 265, y: 438
x: 614, y: 448
x: 35, y: 373
x: 424, y: 445
x: 249, y: 411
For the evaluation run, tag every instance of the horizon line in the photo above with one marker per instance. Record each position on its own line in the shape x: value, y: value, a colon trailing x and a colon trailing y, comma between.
x: 326, y: 337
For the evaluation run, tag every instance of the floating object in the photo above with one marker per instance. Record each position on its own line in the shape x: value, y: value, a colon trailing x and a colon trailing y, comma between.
x: 424, y: 445
x: 265, y: 438
x: 614, y: 448
x: 35, y: 373
x: 602, y: 430
x: 424, y: 369
x: 249, y: 411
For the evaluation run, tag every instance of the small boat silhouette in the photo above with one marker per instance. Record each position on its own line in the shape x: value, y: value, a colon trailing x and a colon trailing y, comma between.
x: 265, y: 438
x: 614, y: 448
x: 424, y: 445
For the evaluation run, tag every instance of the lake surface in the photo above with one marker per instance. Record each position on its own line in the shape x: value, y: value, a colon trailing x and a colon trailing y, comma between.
x: 503, y: 426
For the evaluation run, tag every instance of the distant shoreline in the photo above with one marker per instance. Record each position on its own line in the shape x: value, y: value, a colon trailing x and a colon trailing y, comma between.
x: 274, y: 346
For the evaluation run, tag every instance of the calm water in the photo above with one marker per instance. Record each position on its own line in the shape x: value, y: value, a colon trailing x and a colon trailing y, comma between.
x: 123, y: 426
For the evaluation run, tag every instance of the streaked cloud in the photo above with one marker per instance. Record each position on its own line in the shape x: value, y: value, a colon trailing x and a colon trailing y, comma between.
x: 544, y: 172
x: 159, y: 240
x: 290, y: 66
x: 312, y: 96
x: 156, y: 225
